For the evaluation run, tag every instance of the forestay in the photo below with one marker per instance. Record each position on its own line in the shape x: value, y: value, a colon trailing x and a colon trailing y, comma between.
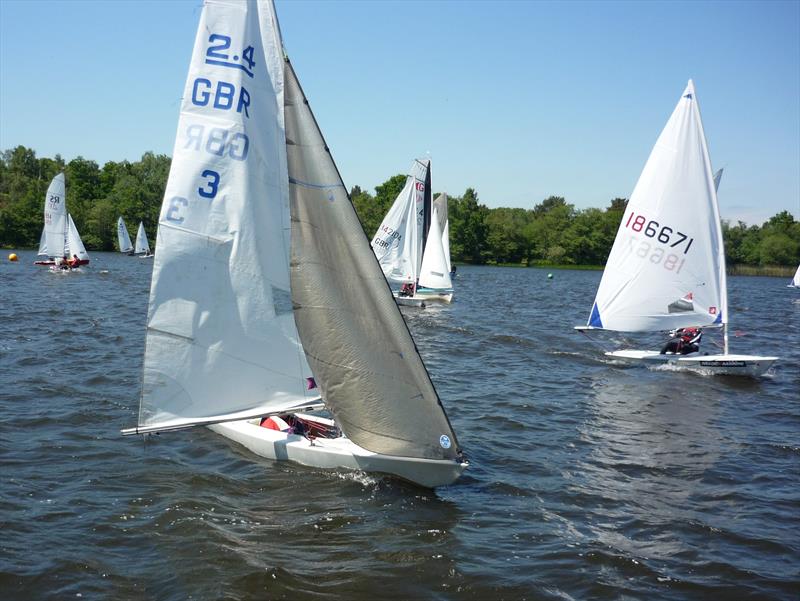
x: 55, y: 217
x: 74, y: 242
x: 398, y: 242
x: 142, y: 245
x: 440, y: 206
x: 434, y: 272
x: 667, y: 265
x: 123, y: 238
x: 221, y: 342
x: 365, y: 362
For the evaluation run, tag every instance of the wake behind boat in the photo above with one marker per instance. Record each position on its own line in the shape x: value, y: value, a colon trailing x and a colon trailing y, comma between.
x: 666, y: 269
x: 252, y: 312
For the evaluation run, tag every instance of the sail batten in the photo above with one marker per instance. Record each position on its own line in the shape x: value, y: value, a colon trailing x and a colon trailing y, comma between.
x: 666, y: 268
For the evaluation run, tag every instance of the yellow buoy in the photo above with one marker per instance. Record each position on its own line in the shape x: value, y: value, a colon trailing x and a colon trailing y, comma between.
x: 13, y: 257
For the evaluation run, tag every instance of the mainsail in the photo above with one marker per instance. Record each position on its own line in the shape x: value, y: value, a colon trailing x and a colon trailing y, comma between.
x: 123, y: 238
x: 440, y: 206
x: 55, y: 217
x: 669, y: 250
x: 74, y: 242
x: 142, y: 245
x: 398, y: 243
x: 221, y: 341
x: 796, y: 278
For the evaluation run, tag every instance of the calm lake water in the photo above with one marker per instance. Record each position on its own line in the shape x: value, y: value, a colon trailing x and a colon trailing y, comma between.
x: 587, y: 480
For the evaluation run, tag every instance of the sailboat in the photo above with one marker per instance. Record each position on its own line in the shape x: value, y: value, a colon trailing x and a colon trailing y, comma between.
x: 123, y: 238
x: 666, y: 269
x: 251, y: 318
x: 60, y: 237
x: 795, y: 283
x: 142, y: 245
x: 408, y: 243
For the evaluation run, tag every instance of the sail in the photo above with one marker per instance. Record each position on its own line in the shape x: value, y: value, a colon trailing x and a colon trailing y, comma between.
x: 434, y: 272
x: 796, y: 279
x: 364, y: 360
x: 74, y: 242
x: 142, y: 245
x: 717, y: 179
x: 667, y: 265
x: 398, y: 242
x: 123, y: 238
x: 55, y: 217
x: 43, y: 244
x: 440, y: 206
x: 221, y: 343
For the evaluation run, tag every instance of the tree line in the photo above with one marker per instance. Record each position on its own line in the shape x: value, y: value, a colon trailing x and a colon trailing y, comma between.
x: 552, y: 232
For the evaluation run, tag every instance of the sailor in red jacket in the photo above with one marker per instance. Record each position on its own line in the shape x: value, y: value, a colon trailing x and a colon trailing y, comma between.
x: 683, y: 341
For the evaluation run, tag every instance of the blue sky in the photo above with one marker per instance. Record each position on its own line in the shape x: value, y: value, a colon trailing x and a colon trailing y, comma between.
x: 519, y: 100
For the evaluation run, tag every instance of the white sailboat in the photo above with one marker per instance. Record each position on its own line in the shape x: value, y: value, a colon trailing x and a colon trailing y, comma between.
x: 142, y: 245
x: 795, y: 283
x: 123, y: 238
x: 60, y: 237
x: 408, y: 243
x: 251, y: 309
x: 666, y: 269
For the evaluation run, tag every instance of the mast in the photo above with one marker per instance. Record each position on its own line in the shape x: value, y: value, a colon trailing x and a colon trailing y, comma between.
x: 426, y: 219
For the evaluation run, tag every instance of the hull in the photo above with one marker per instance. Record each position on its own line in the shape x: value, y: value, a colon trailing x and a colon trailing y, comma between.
x: 727, y: 365
x: 52, y: 262
x: 442, y: 296
x: 337, y: 453
x: 409, y: 301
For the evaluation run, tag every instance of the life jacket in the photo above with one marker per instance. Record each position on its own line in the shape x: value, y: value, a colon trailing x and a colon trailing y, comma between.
x: 688, y: 334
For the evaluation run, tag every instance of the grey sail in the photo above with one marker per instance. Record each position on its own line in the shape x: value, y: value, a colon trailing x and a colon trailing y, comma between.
x: 358, y: 346
x: 440, y: 204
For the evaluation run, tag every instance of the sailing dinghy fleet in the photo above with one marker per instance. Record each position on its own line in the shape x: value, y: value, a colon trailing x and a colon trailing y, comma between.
x: 252, y: 317
x: 142, y: 247
x: 411, y: 244
x: 60, y: 244
x: 666, y: 269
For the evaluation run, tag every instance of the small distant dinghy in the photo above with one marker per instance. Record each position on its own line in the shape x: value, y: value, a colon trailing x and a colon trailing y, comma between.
x: 142, y: 245
x: 253, y: 328
x: 409, y: 243
x: 666, y: 270
x: 795, y: 283
x: 123, y: 238
x: 60, y: 237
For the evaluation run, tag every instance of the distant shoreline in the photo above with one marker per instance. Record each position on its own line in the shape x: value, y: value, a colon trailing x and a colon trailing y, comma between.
x: 776, y: 271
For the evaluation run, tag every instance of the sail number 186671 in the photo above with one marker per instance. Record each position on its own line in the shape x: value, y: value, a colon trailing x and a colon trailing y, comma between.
x: 662, y: 233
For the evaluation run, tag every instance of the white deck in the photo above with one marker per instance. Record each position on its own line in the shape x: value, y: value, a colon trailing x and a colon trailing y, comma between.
x: 337, y: 453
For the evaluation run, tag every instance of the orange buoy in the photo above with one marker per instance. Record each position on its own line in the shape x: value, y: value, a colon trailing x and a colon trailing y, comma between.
x: 13, y: 257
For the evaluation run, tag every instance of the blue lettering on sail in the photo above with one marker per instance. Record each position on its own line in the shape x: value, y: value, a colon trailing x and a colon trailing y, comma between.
x: 224, y: 95
x: 218, y: 141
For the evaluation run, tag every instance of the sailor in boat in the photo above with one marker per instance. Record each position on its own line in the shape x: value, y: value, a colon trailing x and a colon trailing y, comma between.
x: 74, y: 262
x: 407, y: 289
x: 683, y: 341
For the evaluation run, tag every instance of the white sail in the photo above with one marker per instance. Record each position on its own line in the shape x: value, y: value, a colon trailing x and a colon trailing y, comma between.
x: 123, y: 238
x: 142, y: 245
x: 74, y: 242
x: 43, y: 244
x: 717, y: 179
x: 55, y: 217
x: 796, y: 279
x: 398, y: 242
x: 434, y: 272
x: 221, y: 340
x: 667, y: 266
x: 440, y: 205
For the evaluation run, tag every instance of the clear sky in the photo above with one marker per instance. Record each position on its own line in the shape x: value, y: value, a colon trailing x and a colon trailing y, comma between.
x: 519, y: 100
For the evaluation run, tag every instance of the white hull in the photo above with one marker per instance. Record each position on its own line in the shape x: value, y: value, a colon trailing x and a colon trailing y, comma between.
x: 729, y: 365
x: 442, y: 296
x: 410, y: 301
x: 337, y: 453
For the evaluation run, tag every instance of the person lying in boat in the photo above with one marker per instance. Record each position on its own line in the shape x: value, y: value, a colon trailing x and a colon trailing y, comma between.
x: 683, y: 341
